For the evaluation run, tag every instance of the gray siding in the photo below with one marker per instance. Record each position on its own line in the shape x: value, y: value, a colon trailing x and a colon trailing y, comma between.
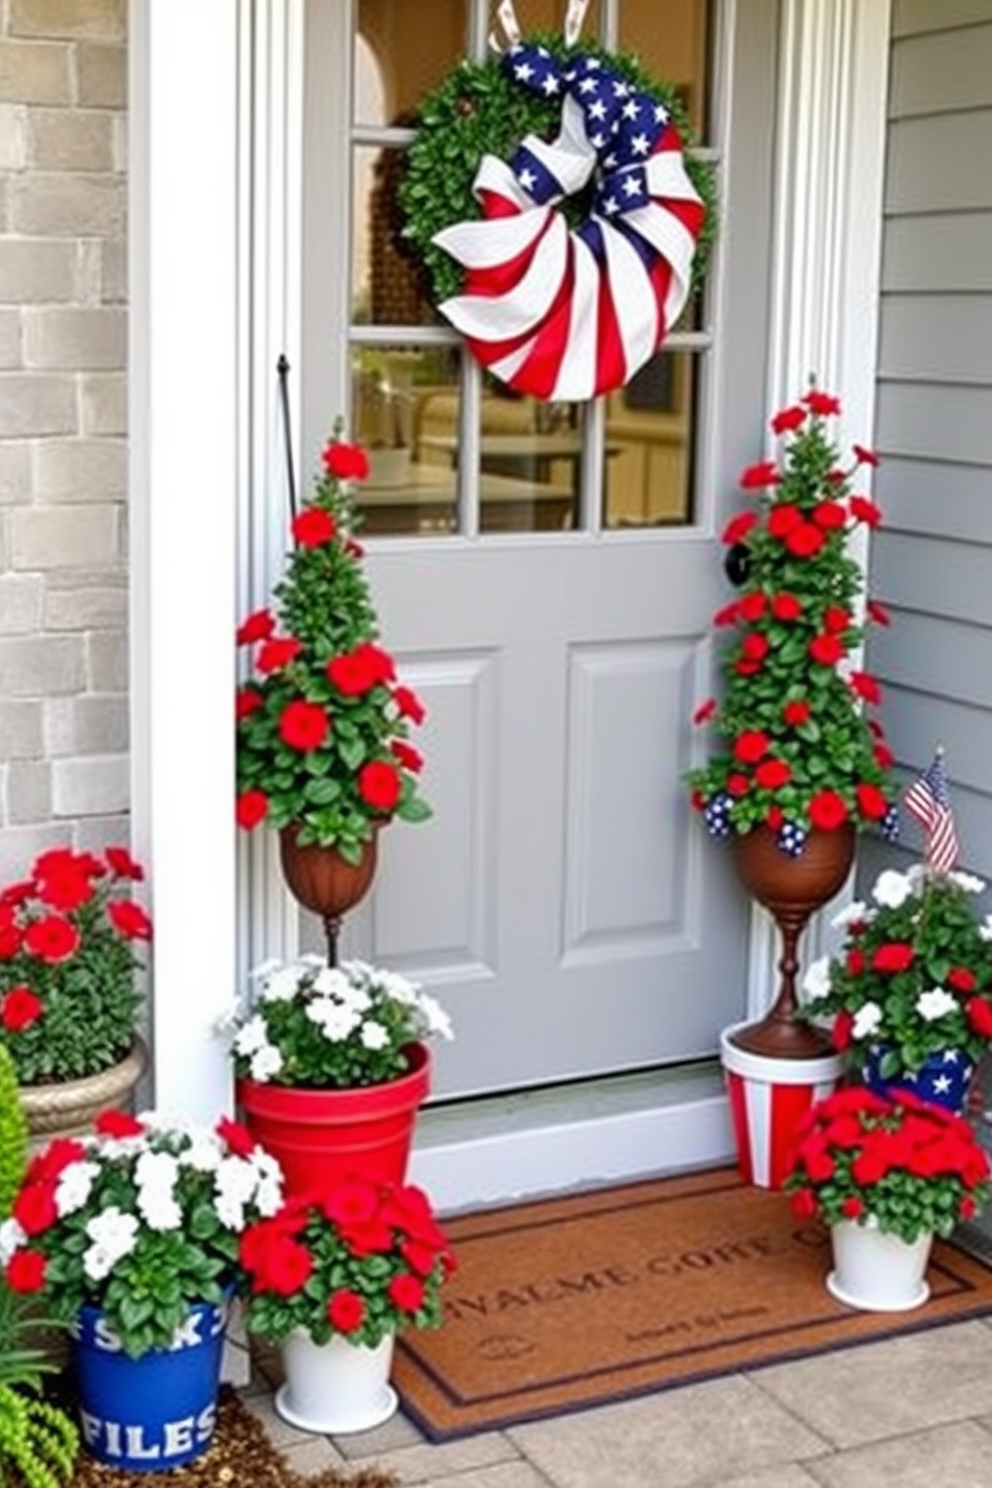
x: 932, y: 559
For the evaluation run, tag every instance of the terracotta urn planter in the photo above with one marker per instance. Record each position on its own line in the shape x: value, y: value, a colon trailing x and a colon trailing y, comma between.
x: 324, y: 882
x: 67, y: 1108
x: 791, y: 889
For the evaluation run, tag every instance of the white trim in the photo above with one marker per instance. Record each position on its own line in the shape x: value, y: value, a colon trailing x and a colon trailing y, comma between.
x: 183, y: 482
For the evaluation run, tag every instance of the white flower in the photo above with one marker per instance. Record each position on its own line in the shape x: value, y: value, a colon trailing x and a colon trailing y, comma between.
x: 235, y: 1185
x: 331, y: 981
x: 816, y: 982
x: 968, y: 882
x: 892, y: 888
x: 334, y: 1021
x: 12, y: 1236
x: 866, y: 1020
x: 985, y: 928
x: 438, y: 1020
x: 265, y: 1063
x: 203, y: 1154
x: 858, y: 910
x: 399, y: 988
x: 264, y: 969
x: 229, y: 1017
x: 935, y: 1003
x: 282, y: 985
x: 268, y: 1197
x: 374, y: 1036
x: 156, y: 1174
x: 253, y: 1036
x: 73, y: 1187
x: 159, y: 1209
x: 114, y: 1235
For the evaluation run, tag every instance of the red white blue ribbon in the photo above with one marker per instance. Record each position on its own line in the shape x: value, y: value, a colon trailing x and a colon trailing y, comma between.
x: 571, y: 314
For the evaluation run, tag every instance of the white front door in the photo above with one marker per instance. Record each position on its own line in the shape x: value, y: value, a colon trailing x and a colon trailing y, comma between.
x: 545, y: 575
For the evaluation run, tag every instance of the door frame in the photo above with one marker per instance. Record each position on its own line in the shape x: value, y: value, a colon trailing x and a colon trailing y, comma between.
x: 218, y: 149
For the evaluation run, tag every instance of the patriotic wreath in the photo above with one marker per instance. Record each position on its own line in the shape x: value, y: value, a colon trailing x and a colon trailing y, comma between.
x: 562, y: 229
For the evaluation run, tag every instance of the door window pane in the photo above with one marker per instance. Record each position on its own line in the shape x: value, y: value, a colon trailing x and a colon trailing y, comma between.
x: 671, y: 41
x: 399, y: 58
x: 649, y: 445
x: 387, y: 284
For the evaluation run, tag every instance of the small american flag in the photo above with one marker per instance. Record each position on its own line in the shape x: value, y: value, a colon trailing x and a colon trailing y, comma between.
x: 928, y: 799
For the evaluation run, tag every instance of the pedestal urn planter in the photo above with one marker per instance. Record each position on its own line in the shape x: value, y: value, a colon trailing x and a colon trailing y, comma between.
x: 792, y: 889
x: 324, y: 882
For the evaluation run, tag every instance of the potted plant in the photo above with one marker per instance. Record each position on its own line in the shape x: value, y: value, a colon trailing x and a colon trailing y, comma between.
x: 886, y: 1176
x: 70, y: 1000
x: 332, y: 1278
x: 323, y: 754
x: 332, y: 1065
x: 131, y: 1235
x: 908, y: 999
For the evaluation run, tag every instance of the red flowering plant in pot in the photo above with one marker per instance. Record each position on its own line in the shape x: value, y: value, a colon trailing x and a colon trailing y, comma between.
x: 332, y: 1278
x: 322, y: 721
x: 798, y: 765
x: 70, y: 999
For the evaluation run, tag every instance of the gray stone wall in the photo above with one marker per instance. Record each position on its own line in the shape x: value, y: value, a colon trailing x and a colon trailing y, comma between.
x: 63, y: 406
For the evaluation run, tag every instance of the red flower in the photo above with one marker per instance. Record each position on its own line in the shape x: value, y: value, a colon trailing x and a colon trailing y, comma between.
x: 852, y: 1207
x: 122, y: 865
x: 379, y: 785
x: 237, y: 1137
x: 357, y: 672
x: 10, y: 941
x: 774, y: 817
x: 786, y: 607
x: 789, y: 419
x: 65, y: 889
x: 855, y: 961
x: 313, y: 527
x: 863, y: 510
x: 866, y: 686
x: 51, y: 939
x: 406, y: 1292
x: 352, y: 1201
x: 19, y: 1009
x: 803, y: 1204
x: 751, y: 746
x: 346, y: 461
x: 805, y: 540
x: 346, y: 1311
x: 871, y: 803
x: 894, y: 955
x: 878, y: 612
x: 829, y: 515
x: 409, y: 758
x: 782, y: 519
x: 303, y: 725
x: 705, y: 711
x: 754, y: 646
x: 727, y: 615
x: 752, y: 606
x: 419, y: 1257
x: 409, y: 705
x: 738, y: 785
x: 34, y: 1208
x: 961, y: 979
x: 246, y: 700
x: 827, y: 811
x: 258, y: 627
x: 118, y: 1124
x: 763, y: 474
x: 796, y: 713
x: 967, y: 1208
x: 821, y: 404
x: 26, y: 1271
x: 252, y: 807
x: 772, y: 774
x: 60, y: 1152
x: 883, y: 756
x: 738, y: 528
x: 273, y: 655
x: 746, y: 668
x: 979, y: 1014
x: 837, y: 619
x: 865, y: 456
x: 129, y: 919
x: 827, y: 650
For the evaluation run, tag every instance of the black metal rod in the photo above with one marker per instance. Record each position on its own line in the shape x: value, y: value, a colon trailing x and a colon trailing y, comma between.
x: 287, y: 432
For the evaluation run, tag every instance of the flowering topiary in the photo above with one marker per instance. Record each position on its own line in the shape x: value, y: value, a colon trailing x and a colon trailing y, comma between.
x: 322, y: 721
x: 912, y: 1166
x: 914, y: 977
x: 141, y: 1219
x: 796, y: 748
x: 320, y: 1027
x: 362, y: 1261
x: 69, y: 999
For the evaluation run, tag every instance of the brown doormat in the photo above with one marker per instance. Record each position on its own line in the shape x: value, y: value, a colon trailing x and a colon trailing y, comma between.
x: 574, y: 1302
x: 239, y: 1454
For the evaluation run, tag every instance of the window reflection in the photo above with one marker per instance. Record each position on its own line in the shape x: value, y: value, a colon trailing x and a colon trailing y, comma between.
x: 649, y: 445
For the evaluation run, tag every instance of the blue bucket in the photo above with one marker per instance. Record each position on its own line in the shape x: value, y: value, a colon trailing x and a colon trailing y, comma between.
x: 152, y: 1413
x: 942, y: 1081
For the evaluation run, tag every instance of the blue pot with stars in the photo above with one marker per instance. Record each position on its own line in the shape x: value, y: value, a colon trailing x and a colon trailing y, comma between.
x: 942, y: 1081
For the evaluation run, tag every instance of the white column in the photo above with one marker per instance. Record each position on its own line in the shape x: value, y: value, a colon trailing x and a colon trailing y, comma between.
x: 185, y: 473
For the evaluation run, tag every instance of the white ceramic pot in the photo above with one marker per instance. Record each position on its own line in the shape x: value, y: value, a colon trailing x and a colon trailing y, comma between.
x: 336, y: 1386
x: 875, y: 1271
x: 768, y: 1098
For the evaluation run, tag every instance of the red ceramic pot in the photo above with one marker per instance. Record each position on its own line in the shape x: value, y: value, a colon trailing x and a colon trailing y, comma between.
x: 321, y: 1136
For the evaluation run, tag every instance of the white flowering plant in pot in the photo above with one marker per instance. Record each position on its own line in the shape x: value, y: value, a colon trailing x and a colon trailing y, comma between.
x: 321, y: 1027
x: 141, y: 1219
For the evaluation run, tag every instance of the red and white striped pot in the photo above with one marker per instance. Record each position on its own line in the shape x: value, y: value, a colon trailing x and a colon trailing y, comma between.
x: 768, y: 1099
